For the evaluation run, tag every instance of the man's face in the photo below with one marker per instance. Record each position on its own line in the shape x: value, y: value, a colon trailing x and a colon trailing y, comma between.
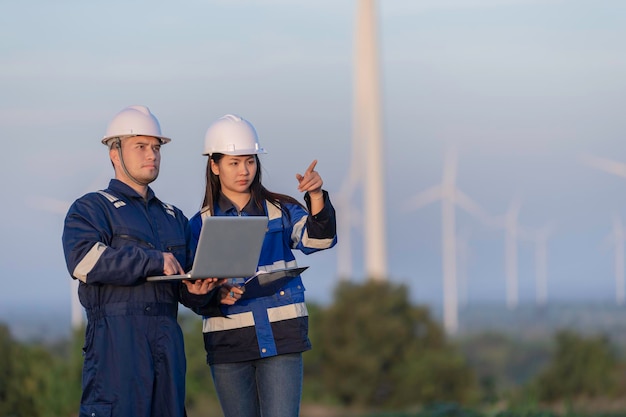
x: 142, y: 157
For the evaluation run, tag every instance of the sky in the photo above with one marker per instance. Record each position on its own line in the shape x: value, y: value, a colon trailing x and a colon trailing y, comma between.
x: 520, y: 88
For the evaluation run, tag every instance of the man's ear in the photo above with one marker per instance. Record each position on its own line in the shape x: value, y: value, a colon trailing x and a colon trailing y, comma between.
x: 114, y: 155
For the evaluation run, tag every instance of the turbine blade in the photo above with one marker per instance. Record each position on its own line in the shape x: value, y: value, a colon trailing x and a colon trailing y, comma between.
x: 604, y: 164
x: 52, y: 205
x: 424, y: 198
x: 463, y: 201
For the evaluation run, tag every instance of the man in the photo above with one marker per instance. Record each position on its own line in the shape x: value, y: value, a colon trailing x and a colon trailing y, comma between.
x: 134, y: 359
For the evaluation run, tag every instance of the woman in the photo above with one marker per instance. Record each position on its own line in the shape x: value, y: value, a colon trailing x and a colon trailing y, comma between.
x: 255, y: 348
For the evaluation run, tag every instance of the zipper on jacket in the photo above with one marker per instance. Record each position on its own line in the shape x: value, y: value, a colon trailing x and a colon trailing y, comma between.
x: 140, y: 241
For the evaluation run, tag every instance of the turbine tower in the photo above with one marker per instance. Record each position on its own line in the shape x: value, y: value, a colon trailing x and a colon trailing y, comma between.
x: 618, y: 242
x: 463, y: 255
x: 368, y: 136
x: 541, y: 265
x: 511, y: 233
x: 348, y: 217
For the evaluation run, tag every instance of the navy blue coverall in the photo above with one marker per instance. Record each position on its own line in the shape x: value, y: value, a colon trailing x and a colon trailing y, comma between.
x: 134, y: 359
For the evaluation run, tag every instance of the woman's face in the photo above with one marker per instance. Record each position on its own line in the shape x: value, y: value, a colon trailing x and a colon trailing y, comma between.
x: 236, y: 173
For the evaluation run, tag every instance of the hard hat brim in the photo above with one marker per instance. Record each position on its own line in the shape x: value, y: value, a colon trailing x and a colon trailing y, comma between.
x: 162, y: 139
x: 239, y: 152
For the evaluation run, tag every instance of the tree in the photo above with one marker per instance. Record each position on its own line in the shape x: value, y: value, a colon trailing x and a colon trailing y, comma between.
x: 502, y: 363
x: 61, y: 376
x: 35, y: 382
x: 313, y: 389
x: 15, y: 384
x: 199, y: 384
x: 378, y: 350
x: 580, y: 367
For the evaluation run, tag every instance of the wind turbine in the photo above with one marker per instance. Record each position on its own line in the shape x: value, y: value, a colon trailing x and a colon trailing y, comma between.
x: 513, y: 233
x: 540, y: 237
x: 367, y: 135
x: 511, y: 230
x: 60, y: 207
x: 463, y: 251
x: 619, y: 169
x: 617, y: 237
x: 450, y: 197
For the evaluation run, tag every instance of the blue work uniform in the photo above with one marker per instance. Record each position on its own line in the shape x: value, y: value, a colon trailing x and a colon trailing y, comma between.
x: 134, y: 359
x: 262, y: 327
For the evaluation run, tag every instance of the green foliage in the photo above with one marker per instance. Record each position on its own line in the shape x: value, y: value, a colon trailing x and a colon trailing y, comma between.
x: 581, y: 367
x: 378, y: 350
x: 502, y: 363
x: 33, y: 382
x: 447, y: 410
x: 199, y: 383
x: 13, y: 398
x: 372, y: 350
x: 314, y: 389
x: 63, y: 376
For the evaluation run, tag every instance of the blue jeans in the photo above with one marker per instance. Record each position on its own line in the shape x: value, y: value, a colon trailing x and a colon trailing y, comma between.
x: 268, y: 387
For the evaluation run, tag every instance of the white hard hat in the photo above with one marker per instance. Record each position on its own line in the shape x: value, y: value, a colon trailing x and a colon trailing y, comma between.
x: 134, y: 121
x: 231, y: 135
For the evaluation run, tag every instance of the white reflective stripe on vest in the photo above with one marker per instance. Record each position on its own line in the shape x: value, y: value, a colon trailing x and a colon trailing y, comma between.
x: 278, y: 265
x: 291, y: 311
x: 234, y: 321
x: 273, y: 212
x: 241, y: 320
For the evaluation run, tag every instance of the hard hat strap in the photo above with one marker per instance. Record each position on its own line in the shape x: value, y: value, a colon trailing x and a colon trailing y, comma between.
x: 118, y: 145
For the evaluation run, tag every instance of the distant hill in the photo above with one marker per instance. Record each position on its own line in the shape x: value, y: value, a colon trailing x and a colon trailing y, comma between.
x: 530, y: 322
x: 526, y: 321
x: 44, y: 325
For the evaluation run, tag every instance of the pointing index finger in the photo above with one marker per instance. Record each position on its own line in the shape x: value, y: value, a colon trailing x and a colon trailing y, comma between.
x: 311, y: 167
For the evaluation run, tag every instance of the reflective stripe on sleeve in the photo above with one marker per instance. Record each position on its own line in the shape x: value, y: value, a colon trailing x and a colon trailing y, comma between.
x: 315, y: 243
x: 85, y: 266
x: 297, y: 229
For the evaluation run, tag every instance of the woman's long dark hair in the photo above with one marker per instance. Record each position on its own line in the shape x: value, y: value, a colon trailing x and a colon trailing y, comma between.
x: 258, y: 192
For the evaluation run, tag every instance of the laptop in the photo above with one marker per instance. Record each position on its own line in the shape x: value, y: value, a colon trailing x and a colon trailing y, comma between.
x: 228, y: 247
x: 265, y: 283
